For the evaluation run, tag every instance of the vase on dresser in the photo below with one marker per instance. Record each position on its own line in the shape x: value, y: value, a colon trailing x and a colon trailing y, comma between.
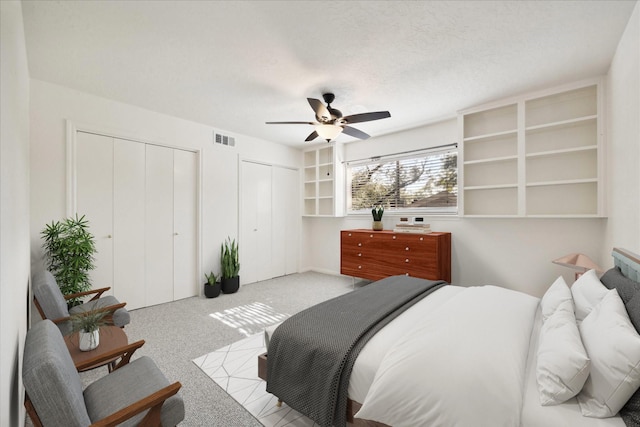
x: 377, y: 226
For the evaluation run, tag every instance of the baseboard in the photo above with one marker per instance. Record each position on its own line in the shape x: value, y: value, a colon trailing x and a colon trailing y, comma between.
x: 323, y: 271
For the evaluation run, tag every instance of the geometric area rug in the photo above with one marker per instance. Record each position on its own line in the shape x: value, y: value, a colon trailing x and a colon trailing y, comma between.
x: 235, y: 369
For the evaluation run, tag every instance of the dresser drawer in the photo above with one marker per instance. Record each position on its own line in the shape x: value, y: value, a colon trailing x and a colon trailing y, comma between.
x: 377, y: 254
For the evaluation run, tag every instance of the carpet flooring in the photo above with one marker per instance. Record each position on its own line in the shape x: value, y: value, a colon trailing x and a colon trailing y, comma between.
x: 176, y: 333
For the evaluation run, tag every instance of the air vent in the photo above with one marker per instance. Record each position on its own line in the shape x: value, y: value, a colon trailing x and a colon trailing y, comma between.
x: 221, y: 139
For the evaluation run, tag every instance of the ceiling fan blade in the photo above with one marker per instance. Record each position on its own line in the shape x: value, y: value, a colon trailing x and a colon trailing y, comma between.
x: 322, y: 113
x: 313, y: 135
x: 354, y: 132
x: 291, y: 123
x: 366, y: 117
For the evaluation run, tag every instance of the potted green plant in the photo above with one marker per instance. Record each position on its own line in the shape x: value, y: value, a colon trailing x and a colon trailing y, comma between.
x: 212, y: 285
x: 230, y: 281
x: 69, y: 251
x: 88, y: 324
x: 377, y: 212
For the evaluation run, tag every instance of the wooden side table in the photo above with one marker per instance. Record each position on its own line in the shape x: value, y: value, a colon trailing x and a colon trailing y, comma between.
x: 111, y: 338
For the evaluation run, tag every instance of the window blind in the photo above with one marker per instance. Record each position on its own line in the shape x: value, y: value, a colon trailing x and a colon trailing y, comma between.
x: 424, y: 181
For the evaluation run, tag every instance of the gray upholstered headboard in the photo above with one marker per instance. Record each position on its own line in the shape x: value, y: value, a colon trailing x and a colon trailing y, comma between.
x: 627, y: 262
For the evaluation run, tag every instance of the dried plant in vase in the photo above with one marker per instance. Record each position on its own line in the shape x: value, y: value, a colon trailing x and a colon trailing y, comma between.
x: 88, y: 324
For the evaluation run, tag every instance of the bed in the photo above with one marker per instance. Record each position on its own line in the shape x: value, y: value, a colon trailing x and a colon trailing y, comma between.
x: 463, y: 356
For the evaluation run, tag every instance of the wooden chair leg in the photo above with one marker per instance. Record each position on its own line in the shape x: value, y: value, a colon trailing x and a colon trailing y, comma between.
x: 279, y: 403
x: 31, y: 411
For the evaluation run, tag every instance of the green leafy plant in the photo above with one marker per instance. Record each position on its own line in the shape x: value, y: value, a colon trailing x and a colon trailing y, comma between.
x: 377, y: 212
x: 229, y: 259
x: 89, y: 321
x: 69, y: 249
x: 212, y: 279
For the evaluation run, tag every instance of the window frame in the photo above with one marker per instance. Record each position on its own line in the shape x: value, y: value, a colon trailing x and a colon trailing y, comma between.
x: 426, y: 211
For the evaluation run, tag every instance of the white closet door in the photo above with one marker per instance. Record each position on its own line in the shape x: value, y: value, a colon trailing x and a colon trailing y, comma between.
x: 185, y: 280
x: 291, y: 212
x: 285, y: 215
x: 255, y: 247
x: 159, y: 225
x: 128, y: 223
x: 94, y: 192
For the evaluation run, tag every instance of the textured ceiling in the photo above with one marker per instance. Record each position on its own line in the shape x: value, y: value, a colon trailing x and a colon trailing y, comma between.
x: 234, y: 65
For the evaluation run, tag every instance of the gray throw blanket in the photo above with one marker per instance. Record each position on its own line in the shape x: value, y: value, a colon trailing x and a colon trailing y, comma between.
x: 311, y: 354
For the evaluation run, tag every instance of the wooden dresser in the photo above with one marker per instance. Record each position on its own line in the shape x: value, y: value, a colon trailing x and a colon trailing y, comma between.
x: 375, y: 255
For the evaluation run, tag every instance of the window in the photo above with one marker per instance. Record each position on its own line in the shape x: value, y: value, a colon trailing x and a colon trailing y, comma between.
x: 425, y: 181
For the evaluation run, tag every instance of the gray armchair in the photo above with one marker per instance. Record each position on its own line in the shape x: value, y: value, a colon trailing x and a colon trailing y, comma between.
x: 51, y: 304
x: 135, y: 393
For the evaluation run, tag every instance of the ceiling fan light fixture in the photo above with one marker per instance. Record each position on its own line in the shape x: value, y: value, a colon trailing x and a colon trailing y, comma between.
x: 328, y: 132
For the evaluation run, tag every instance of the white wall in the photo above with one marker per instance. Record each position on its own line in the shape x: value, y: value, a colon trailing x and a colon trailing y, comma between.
x: 14, y: 209
x: 514, y: 253
x: 52, y: 104
x: 623, y: 142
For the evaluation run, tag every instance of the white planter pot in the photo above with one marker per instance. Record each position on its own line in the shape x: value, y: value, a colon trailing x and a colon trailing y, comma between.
x: 89, y: 340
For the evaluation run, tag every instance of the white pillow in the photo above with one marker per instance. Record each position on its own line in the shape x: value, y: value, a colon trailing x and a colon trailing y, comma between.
x: 557, y: 293
x: 587, y: 292
x: 563, y: 364
x: 613, y: 345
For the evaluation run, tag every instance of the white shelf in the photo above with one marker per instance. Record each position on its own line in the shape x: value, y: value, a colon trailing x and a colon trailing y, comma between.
x: 491, y: 160
x: 490, y: 123
x: 490, y: 187
x: 539, y: 156
x: 562, y: 123
x: 566, y: 150
x: 494, y: 135
x: 562, y: 182
x: 321, y: 181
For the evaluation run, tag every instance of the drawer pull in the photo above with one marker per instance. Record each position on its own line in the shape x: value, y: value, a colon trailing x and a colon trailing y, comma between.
x: 370, y: 235
x: 359, y: 254
x: 422, y: 238
x: 359, y: 267
x: 349, y: 234
x: 406, y: 274
x: 359, y: 244
x: 407, y: 248
x: 406, y: 260
x: 394, y: 237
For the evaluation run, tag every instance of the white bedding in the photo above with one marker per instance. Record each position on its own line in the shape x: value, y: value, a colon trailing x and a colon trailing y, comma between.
x: 463, y: 365
x: 368, y: 361
x: 517, y: 401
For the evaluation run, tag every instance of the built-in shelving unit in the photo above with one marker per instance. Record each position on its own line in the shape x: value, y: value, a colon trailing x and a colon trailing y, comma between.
x: 534, y: 156
x: 322, y: 182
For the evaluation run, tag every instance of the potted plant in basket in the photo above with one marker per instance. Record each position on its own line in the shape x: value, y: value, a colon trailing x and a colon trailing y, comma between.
x: 212, y: 285
x: 88, y: 324
x: 377, y: 212
x: 230, y: 281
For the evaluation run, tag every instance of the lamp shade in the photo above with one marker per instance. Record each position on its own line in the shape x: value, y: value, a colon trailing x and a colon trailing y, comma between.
x: 328, y: 132
x: 579, y: 262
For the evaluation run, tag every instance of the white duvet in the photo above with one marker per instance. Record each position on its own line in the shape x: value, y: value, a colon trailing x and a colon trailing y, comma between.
x: 457, y: 358
x: 463, y: 365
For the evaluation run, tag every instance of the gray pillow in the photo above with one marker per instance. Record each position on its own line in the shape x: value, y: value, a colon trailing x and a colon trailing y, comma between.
x: 629, y: 291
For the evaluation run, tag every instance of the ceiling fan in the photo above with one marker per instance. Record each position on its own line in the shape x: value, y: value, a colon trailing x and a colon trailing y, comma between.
x: 330, y: 122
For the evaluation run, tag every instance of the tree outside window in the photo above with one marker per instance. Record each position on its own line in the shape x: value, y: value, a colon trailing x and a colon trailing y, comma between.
x: 424, y: 181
